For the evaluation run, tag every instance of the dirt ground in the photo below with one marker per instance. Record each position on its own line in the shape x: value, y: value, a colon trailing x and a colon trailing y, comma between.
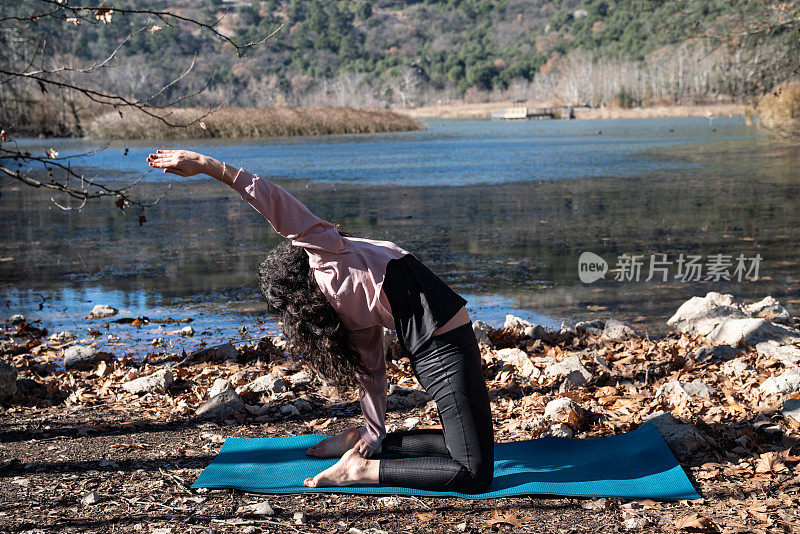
x: 79, y: 454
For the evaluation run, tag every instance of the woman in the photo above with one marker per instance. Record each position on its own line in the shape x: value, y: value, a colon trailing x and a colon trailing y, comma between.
x: 335, y: 294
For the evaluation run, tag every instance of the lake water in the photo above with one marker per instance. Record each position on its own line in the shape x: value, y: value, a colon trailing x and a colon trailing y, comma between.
x: 502, y: 211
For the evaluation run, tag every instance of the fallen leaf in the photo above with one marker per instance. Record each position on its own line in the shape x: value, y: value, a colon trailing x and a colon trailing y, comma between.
x: 696, y: 523
x: 770, y: 462
x: 507, y: 518
x: 140, y: 446
x: 426, y: 516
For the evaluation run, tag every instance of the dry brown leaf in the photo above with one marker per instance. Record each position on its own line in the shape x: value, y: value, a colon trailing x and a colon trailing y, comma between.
x: 319, y: 424
x: 696, y: 523
x: 426, y: 516
x: 770, y: 462
x: 508, y: 518
x: 140, y: 446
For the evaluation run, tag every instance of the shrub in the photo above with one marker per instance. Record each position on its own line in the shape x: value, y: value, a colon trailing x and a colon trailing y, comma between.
x: 779, y: 110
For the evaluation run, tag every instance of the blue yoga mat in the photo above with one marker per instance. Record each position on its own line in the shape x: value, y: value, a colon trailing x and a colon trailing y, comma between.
x: 636, y: 464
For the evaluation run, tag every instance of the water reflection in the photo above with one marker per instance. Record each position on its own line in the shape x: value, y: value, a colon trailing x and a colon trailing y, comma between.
x: 499, y: 210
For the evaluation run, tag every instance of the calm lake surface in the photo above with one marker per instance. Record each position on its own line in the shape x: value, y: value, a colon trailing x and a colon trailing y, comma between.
x: 501, y: 211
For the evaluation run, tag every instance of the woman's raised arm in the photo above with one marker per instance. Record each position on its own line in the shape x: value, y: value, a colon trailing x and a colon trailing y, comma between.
x: 287, y: 215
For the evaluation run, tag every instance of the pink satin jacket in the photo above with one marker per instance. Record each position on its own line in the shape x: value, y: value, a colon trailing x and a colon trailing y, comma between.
x: 350, y: 273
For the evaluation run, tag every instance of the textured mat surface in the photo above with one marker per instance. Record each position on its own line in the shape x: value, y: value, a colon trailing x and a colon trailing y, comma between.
x: 637, y: 464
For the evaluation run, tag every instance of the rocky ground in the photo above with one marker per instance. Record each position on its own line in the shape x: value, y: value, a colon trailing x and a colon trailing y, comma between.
x: 92, y: 443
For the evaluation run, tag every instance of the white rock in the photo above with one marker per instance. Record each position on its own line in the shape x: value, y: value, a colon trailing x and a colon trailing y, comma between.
x: 516, y: 322
x: 301, y: 379
x: 786, y: 383
x: 750, y: 331
x: 262, y: 508
x: 226, y: 404
x: 615, y: 329
x: 519, y: 360
x: 157, y: 382
x: 735, y: 367
x: 559, y: 430
x: 17, y: 318
x: 299, y: 518
x: 481, y: 330
x: 269, y: 383
x: 186, y: 331
x: 635, y: 523
x: 80, y: 356
x: 594, y: 504
x: 103, y: 310
x: 714, y: 352
x: 536, y: 331
x: 594, y: 328
x: 699, y: 316
x: 91, y: 498
x: 219, y: 385
x: 535, y: 422
x: 573, y: 380
x: 788, y: 355
x: 770, y: 309
x: 683, y: 438
x: 411, y: 422
x: 559, y: 410
x: 62, y: 337
x: 676, y: 392
x: 566, y: 366
x: 259, y: 508
x: 389, y: 501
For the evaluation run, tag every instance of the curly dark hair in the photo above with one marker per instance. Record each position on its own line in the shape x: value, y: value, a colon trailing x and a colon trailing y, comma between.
x: 313, y: 329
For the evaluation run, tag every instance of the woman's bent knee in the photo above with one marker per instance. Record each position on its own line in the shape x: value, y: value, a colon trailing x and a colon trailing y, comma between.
x: 476, y: 480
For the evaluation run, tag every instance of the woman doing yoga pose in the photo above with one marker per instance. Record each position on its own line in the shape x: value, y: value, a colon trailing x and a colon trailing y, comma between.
x: 335, y: 294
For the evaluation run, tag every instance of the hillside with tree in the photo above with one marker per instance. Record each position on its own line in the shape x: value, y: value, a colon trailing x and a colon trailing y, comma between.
x: 411, y: 53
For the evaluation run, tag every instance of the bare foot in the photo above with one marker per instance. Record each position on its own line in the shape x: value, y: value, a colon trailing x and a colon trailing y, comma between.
x: 335, y: 446
x: 352, y: 468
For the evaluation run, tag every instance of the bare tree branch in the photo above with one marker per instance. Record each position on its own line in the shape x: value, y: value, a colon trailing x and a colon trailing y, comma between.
x: 30, y: 60
x: 164, y: 16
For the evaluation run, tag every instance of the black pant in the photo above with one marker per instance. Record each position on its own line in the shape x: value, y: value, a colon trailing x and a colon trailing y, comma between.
x: 460, y: 457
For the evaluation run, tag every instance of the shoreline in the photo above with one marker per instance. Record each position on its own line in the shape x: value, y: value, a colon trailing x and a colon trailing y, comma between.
x: 484, y: 110
x: 459, y: 110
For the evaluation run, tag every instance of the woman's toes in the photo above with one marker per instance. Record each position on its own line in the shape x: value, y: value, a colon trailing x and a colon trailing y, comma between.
x: 309, y: 482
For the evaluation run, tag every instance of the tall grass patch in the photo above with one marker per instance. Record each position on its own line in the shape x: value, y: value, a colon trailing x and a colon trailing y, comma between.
x: 249, y: 122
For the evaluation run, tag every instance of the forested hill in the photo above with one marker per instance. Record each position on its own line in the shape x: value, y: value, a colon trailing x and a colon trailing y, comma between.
x: 406, y: 52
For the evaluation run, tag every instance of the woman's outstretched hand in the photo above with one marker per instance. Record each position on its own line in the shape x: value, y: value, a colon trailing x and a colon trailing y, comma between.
x: 180, y: 162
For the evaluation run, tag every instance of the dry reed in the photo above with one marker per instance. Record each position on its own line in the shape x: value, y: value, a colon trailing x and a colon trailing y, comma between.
x: 779, y: 110
x: 250, y: 122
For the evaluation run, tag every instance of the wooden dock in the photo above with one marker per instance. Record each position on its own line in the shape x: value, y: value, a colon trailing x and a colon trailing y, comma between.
x: 526, y: 113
